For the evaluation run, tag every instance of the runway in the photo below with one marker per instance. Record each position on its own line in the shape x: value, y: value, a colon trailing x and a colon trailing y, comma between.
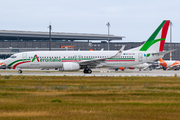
x: 96, y: 72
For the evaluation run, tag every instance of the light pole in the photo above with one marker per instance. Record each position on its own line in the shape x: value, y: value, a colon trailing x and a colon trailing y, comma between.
x: 170, y: 39
x: 108, y: 24
x: 50, y: 37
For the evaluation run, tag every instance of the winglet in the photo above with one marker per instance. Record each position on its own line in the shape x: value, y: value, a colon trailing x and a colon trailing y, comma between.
x: 119, y: 53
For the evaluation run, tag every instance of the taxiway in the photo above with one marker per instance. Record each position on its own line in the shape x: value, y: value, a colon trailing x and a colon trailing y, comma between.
x: 96, y: 72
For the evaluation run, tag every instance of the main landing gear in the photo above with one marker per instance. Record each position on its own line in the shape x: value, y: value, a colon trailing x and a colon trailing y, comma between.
x: 87, y: 71
x: 20, y: 71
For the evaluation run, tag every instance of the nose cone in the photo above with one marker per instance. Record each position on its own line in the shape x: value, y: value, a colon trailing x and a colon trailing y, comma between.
x: 2, y: 66
x: 4, y: 62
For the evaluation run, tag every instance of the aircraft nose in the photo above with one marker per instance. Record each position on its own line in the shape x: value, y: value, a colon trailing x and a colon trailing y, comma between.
x: 4, y: 63
x: 2, y: 66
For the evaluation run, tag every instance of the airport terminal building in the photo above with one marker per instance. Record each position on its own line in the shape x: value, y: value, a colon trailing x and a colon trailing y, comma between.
x: 20, y: 41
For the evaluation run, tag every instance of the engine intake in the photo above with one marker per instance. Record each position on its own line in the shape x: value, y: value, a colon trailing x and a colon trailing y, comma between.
x: 70, y: 66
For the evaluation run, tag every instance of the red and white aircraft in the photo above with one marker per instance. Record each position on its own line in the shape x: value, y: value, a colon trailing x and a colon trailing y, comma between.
x: 151, y: 50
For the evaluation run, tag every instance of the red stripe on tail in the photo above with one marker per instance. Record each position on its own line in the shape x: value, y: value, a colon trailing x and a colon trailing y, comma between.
x: 163, y: 35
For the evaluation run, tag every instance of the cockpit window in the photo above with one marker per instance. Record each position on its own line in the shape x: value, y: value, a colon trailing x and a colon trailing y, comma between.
x: 13, y: 56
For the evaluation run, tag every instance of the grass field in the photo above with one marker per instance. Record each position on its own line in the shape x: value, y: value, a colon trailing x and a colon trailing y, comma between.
x: 89, y: 98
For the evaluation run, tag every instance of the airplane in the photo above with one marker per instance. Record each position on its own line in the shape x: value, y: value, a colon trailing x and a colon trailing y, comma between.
x: 142, y: 66
x: 169, y: 64
x: 151, y: 50
x: 1, y: 64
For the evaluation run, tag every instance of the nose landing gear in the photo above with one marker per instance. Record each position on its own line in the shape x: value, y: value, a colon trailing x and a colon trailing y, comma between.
x: 20, y: 71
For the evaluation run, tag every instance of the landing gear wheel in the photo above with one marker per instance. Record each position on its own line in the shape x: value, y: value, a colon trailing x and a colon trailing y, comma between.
x: 116, y: 69
x: 87, y: 70
x: 164, y: 68
x: 20, y: 71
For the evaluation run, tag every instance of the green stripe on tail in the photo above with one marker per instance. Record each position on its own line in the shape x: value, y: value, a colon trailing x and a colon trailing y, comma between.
x: 152, y: 39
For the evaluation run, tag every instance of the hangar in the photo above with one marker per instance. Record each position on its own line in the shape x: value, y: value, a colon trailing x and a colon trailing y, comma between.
x: 20, y: 41
x: 43, y: 36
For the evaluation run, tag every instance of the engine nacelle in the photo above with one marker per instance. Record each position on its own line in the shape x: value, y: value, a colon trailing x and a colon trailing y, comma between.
x: 70, y: 66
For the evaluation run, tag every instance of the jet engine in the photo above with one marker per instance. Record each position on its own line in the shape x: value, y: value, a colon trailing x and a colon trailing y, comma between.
x: 70, y: 66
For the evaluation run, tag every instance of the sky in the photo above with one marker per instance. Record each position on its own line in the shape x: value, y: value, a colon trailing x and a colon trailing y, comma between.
x: 134, y: 19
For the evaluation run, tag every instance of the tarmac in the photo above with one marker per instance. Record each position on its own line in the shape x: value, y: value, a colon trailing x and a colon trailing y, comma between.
x: 96, y: 72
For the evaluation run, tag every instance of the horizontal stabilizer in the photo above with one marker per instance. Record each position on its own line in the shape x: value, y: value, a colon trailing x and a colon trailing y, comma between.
x: 163, y: 53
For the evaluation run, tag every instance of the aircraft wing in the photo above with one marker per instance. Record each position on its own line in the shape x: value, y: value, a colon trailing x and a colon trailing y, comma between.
x: 163, y: 53
x: 98, y: 61
x: 146, y: 67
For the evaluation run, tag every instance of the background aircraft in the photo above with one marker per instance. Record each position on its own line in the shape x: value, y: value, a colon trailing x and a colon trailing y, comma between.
x: 169, y: 64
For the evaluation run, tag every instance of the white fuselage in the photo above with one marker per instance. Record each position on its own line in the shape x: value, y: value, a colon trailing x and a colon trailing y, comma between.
x: 169, y: 63
x: 55, y: 59
x: 144, y: 65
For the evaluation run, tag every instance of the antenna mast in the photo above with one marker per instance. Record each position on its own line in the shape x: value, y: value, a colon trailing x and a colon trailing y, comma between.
x: 50, y: 36
x: 170, y: 39
x: 108, y: 25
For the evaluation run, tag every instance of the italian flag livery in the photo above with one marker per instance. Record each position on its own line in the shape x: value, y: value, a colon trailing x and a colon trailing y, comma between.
x: 157, y: 39
x: 151, y: 50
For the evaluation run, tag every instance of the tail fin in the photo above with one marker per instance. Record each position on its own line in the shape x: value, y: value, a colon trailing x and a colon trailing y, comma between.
x: 162, y: 63
x: 157, y: 39
x: 161, y: 60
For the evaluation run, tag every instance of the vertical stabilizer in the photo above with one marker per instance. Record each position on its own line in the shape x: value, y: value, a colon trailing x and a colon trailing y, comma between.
x: 162, y: 63
x: 157, y: 39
